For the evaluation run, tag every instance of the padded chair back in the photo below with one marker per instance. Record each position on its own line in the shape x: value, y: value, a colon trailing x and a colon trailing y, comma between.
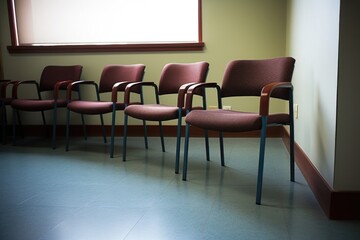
x: 176, y: 74
x: 120, y: 73
x: 53, y: 74
x: 247, y: 77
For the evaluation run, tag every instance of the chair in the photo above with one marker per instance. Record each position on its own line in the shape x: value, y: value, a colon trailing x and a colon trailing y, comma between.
x: 174, y: 80
x: 263, y: 78
x: 53, y: 79
x: 114, y: 78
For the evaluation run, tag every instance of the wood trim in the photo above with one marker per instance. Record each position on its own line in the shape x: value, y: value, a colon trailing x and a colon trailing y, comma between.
x: 337, y: 205
x: 136, y: 130
x: 155, y: 47
x: 12, y: 17
x: 200, y: 38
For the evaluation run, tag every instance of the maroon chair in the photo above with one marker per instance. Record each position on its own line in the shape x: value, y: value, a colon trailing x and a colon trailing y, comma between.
x: 174, y: 80
x: 53, y: 79
x: 114, y: 79
x: 262, y: 78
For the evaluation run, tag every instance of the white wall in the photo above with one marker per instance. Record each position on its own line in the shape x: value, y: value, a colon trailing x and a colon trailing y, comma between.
x: 312, y: 39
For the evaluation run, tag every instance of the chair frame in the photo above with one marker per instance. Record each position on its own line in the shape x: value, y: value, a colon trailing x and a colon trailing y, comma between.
x: 263, y: 112
x: 114, y: 99
x: 57, y: 88
x: 180, y: 105
x: 71, y: 87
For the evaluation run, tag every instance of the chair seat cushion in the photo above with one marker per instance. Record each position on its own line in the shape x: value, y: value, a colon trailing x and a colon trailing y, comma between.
x: 231, y: 121
x: 93, y: 107
x: 36, y: 105
x: 153, y: 112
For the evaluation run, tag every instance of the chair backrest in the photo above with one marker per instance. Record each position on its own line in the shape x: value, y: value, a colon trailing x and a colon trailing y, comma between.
x: 174, y: 75
x: 53, y: 74
x: 114, y: 73
x: 248, y: 77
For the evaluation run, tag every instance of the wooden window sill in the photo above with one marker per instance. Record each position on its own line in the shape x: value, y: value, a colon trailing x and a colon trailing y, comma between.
x: 156, y: 47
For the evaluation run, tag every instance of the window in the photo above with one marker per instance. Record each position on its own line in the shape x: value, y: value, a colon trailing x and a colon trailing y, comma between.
x: 104, y: 25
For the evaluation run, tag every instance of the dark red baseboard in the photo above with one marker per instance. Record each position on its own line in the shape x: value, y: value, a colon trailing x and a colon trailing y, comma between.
x: 339, y: 205
x: 133, y: 130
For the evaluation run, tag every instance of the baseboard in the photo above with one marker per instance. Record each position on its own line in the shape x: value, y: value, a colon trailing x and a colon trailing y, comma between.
x: 133, y: 130
x: 337, y: 205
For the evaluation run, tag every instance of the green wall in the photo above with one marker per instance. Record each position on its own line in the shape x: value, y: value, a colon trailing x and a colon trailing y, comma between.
x: 232, y: 29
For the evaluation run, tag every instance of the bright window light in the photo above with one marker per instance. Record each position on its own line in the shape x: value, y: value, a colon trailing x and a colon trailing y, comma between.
x: 102, y: 22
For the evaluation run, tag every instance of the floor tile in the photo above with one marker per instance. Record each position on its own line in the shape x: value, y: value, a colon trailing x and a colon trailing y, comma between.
x: 48, y: 194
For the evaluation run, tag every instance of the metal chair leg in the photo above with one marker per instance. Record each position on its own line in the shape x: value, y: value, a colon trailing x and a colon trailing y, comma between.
x: 261, y: 161
x: 102, y: 127
x: 4, y: 122
x: 112, y: 132
x: 44, y: 123
x: 162, y: 136
x: 145, y: 135
x: 125, y: 136
x: 292, y: 153
x: 178, y: 142
x: 292, y: 140
x: 84, y: 127
x: 14, y: 127
x: 207, y: 148
x: 54, y: 128
x: 67, y: 129
x: 186, y: 151
x: 221, y: 139
x: 20, y: 124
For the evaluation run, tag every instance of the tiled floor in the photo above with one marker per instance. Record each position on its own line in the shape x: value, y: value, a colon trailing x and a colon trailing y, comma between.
x: 82, y: 194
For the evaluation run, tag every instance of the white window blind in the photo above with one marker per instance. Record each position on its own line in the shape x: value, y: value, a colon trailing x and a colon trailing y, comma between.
x: 77, y: 22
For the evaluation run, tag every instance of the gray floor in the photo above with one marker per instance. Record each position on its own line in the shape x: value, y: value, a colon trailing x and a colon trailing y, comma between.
x: 82, y: 194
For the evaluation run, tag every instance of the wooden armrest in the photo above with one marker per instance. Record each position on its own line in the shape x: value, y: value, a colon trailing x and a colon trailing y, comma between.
x: 181, y: 93
x: 119, y: 86
x: 266, y: 94
x: 62, y: 85
x: 192, y: 89
x: 4, y: 84
x: 18, y: 83
x: 129, y: 87
x: 74, y: 85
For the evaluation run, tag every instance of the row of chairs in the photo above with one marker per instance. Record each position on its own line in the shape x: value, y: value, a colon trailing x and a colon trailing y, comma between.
x: 265, y: 78
x: 53, y: 79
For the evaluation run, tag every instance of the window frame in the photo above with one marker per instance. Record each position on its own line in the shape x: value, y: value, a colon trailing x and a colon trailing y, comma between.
x: 15, y: 47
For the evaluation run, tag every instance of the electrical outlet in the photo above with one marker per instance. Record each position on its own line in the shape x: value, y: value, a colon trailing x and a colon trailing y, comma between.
x: 296, y: 111
x: 227, y: 107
